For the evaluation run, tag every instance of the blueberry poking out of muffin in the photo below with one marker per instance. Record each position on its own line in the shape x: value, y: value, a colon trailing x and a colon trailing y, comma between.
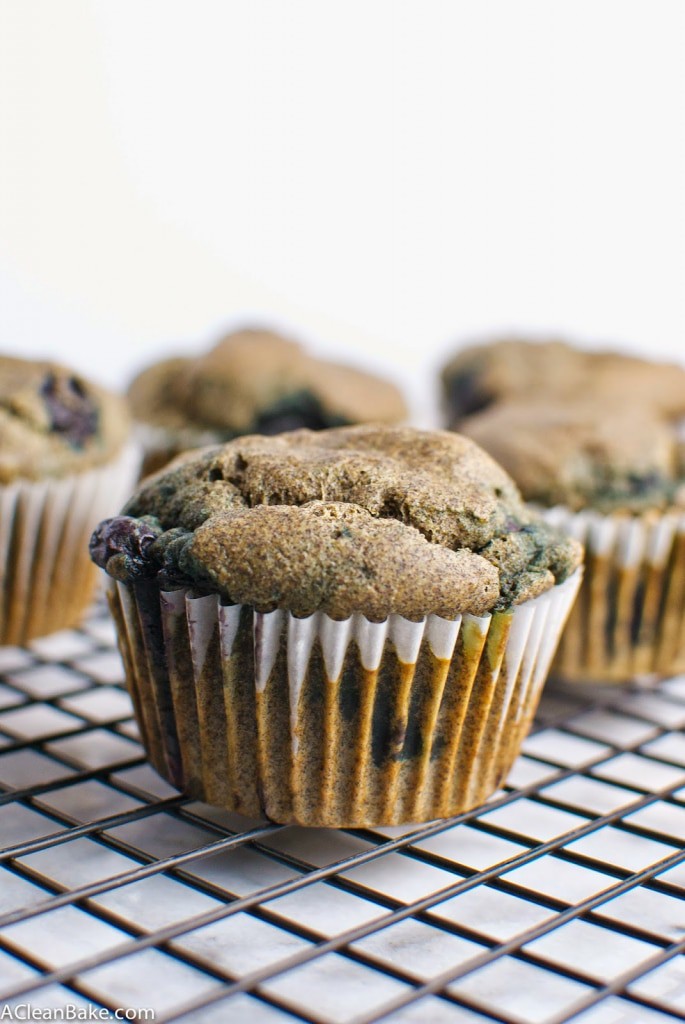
x: 53, y: 422
x: 72, y: 410
x: 120, y: 545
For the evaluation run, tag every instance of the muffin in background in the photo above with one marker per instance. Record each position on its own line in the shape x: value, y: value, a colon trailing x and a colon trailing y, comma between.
x: 595, y: 439
x: 513, y: 369
x: 347, y: 627
x: 252, y: 382
x: 64, y: 463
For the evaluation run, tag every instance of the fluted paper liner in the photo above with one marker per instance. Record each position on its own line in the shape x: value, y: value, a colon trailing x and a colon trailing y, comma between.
x: 333, y: 723
x: 629, y: 619
x: 46, y: 576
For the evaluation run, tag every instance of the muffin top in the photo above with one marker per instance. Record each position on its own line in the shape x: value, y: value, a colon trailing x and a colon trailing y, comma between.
x: 367, y: 519
x: 482, y: 375
x: 257, y: 381
x: 53, y: 422
x: 583, y: 454
x: 572, y: 427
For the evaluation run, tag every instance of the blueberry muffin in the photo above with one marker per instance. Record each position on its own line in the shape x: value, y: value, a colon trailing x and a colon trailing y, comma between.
x: 596, y: 440
x: 253, y: 381
x: 63, y: 464
x: 366, y: 615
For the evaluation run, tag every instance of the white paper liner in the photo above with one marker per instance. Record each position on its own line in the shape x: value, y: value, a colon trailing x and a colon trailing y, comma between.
x: 629, y: 620
x: 46, y: 577
x: 468, y: 689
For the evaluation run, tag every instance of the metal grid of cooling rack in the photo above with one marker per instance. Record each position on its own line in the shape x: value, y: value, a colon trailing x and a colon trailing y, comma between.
x: 562, y: 899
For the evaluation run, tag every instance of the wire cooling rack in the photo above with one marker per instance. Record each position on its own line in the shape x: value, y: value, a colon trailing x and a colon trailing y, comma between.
x: 561, y: 899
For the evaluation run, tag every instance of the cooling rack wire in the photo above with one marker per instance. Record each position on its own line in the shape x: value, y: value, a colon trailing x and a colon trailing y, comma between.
x: 559, y: 900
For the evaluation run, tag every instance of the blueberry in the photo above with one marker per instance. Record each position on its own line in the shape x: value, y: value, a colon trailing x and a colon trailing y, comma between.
x: 465, y: 393
x: 281, y: 423
x: 295, y: 411
x: 168, y: 553
x: 72, y: 412
x: 640, y: 484
x: 121, y: 545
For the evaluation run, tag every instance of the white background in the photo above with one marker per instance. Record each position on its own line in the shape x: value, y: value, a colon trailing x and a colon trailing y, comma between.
x: 387, y: 178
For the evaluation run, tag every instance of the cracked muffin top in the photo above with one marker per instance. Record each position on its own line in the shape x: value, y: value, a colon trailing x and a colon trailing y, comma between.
x: 368, y: 519
x: 54, y: 422
x: 573, y: 427
x: 255, y: 381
